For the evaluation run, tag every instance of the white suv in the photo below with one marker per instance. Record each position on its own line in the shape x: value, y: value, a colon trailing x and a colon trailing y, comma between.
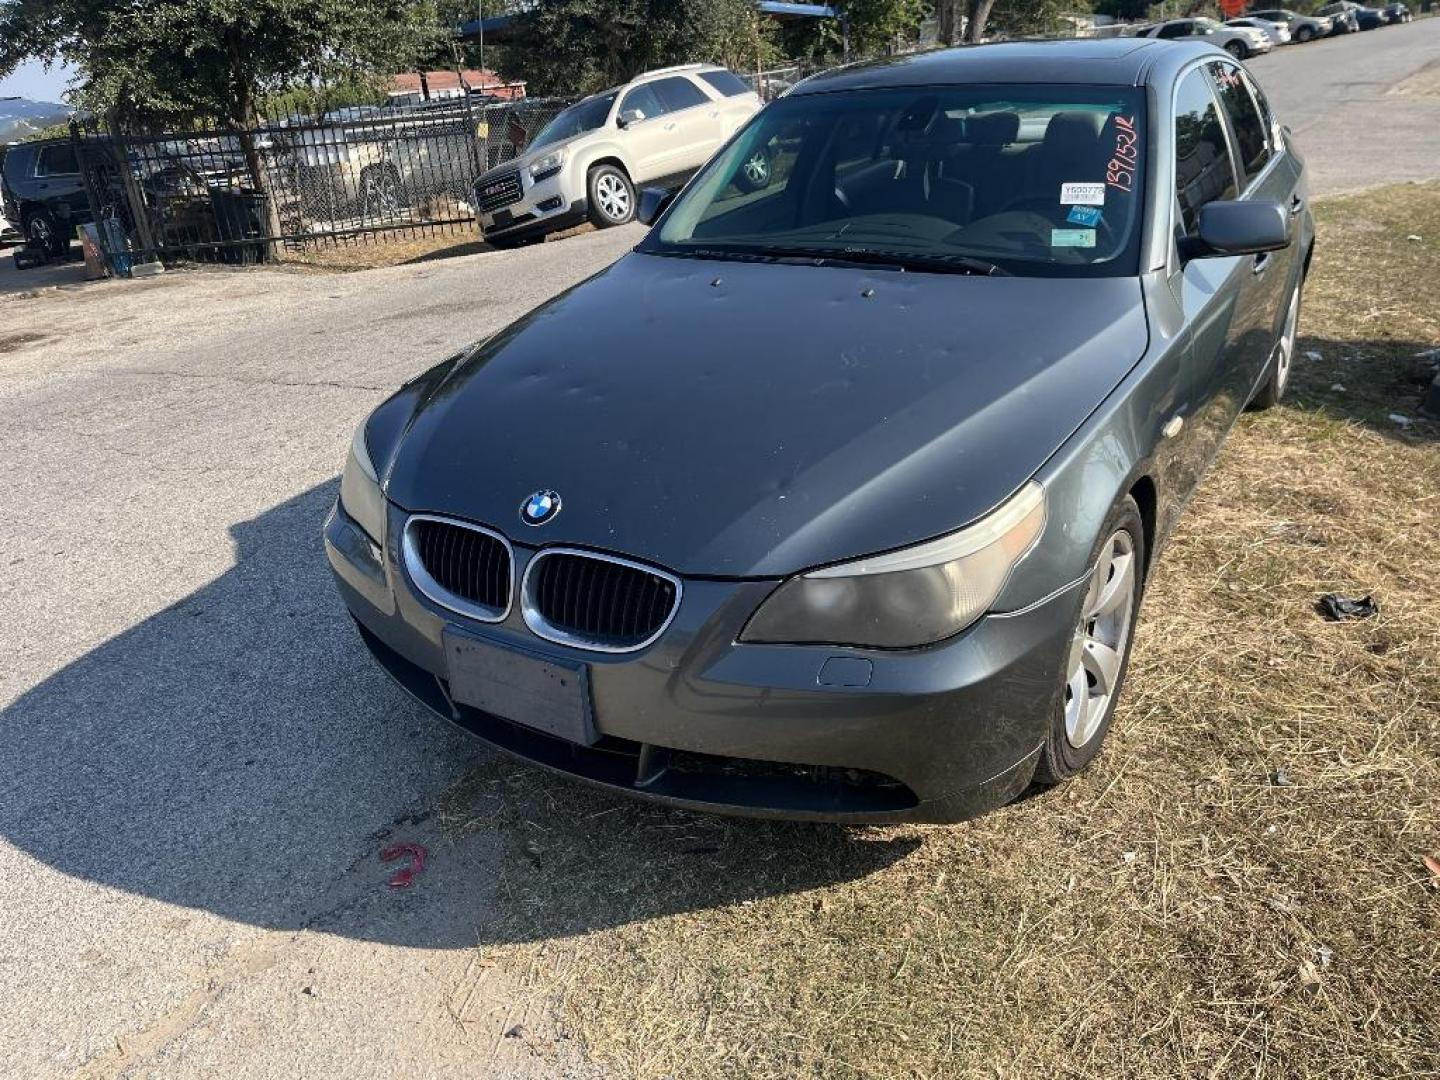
x: 1240, y: 42
x: 589, y: 161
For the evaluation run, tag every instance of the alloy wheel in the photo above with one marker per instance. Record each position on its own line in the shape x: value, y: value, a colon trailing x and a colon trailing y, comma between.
x: 41, y: 235
x: 613, y: 197
x: 1097, y: 650
x: 1286, y: 357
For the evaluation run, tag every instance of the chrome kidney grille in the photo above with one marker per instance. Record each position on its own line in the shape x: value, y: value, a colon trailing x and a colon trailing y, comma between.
x: 463, y: 567
x: 597, y: 601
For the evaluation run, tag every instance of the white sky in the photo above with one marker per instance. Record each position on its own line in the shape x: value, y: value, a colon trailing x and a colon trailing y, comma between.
x: 32, y: 81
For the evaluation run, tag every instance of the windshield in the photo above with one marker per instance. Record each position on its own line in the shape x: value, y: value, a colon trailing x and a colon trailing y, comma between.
x: 1040, y: 180
x: 576, y: 120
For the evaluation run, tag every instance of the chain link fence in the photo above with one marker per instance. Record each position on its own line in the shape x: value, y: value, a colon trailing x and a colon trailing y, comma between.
x: 349, y: 177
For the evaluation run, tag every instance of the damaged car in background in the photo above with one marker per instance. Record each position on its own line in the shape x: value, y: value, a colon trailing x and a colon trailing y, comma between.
x: 836, y: 497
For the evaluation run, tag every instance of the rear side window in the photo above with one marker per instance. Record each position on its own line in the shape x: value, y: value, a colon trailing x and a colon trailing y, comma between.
x: 1251, y: 132
x: 58, y: 160
x: 1203, y: 171
x: 726, y: 82
x: 1176, y: 30
x: 678, y: 93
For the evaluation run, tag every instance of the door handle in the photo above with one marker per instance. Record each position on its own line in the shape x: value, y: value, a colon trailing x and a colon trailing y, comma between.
x: 670, y: 126
x: 1261, y: 262
x: 1296, y: 204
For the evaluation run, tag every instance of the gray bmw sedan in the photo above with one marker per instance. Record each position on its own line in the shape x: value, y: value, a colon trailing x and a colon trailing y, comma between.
x: 848, y: 484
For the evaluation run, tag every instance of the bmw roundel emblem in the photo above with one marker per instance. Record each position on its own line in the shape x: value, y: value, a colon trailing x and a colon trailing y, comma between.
x: 540, y: 507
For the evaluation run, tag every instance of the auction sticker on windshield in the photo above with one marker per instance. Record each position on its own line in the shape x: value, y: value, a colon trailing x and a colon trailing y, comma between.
x: 1082, y: 194
x: 1079, y: 238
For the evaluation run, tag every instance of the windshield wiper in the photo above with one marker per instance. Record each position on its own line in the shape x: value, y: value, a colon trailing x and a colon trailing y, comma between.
x: 930, y: 262
x: 899, y: 261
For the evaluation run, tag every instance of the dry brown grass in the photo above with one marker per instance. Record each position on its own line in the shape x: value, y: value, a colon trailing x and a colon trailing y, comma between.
x: 372, y: 251
x: 1171, y: 912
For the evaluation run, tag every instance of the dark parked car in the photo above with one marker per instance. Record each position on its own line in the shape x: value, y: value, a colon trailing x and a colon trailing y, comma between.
x: 1302, y: 27
x: 1396, y: 13
x: 836, y: 498
x: 1344, y: 16
x: 44, y: 193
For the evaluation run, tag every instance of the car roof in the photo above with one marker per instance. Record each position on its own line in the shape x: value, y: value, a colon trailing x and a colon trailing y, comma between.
x: 1121, y: 61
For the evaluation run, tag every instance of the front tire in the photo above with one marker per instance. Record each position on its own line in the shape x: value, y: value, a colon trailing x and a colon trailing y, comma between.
x: 1238, y: 49
x: 612, y: 197
x: 1304, y: 34
x: 1273, y: 389
x: 42, y: 234
x: 1099, y: 654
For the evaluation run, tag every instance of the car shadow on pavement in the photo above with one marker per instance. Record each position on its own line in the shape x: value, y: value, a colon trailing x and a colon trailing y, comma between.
x: 240, y: 753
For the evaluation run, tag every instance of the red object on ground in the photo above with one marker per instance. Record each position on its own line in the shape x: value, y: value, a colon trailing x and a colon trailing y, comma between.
x: 405, y: 876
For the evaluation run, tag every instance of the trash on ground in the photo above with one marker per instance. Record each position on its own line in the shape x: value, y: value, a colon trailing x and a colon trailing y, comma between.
x: 1280, y: 777
x: 1403, y: 421
x: 405, y: 876
x: 1432, y: 864
x: 1336, y: 607
x: 1337, y: 388
x: 1413, y: 237
x: 1312, y: 356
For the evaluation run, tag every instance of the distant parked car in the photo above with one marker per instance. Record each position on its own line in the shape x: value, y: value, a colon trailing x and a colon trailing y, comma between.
x: 43, y: 193
x: 1303, y: 28
x: 1277, y: 32
x: 1396, y: 13
x: 1345, y: 20
x: 588, y: 161
x: 1366, y: 18
x: 1239, y: 41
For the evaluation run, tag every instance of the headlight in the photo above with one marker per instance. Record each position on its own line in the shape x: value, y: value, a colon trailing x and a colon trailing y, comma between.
x: 907, y: 598
x: 360, y: 489
x: 545, y: 167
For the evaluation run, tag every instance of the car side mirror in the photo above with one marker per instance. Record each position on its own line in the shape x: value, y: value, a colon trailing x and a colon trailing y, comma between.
x: 1238, y: 228
x: 654, y: 201
x: 630, y: 116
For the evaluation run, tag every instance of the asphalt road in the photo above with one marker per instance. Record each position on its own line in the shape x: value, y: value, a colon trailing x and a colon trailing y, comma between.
x: 198, y: 763
x: 1365, y: 108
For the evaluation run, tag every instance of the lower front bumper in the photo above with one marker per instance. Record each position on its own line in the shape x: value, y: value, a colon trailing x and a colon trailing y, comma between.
x: 699, y: 721
x: 527, y: 223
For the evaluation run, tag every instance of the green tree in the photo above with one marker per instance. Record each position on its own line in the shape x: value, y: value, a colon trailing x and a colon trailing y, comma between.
x: 211, y: 59
x: 579, y: 46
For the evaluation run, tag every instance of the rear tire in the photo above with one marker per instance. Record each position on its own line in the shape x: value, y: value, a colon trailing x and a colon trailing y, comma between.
x: 611, y: 197
x: 1094, y: 668
x: 1304, y: 34
x: 1238, y: 49
x: 42, y: 234
x: 1283, y: 363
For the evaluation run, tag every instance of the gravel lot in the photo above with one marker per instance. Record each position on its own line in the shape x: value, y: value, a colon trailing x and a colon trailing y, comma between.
x: 200, y: 764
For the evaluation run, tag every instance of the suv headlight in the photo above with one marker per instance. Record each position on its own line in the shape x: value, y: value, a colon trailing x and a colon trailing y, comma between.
x: 543, y: 168
x: 360, y: 493
x: 906, y: 598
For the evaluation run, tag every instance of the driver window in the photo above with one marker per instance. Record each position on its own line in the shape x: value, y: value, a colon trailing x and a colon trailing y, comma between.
x: 1203, y: 169
x: 645, y: 99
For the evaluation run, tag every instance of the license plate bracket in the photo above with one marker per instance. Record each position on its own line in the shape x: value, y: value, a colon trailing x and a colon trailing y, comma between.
x: 524, y: 687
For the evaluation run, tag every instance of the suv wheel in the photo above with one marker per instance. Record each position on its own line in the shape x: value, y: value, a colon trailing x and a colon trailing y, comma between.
x: 612, y: 197
x: 1238, y: 49
x: 42, y: 234
x: 754, y: 172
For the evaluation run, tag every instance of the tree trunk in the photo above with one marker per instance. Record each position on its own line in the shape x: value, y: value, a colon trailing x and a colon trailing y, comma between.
x: 978, y: 14
x: 245, y: 118
x: 950, y: 22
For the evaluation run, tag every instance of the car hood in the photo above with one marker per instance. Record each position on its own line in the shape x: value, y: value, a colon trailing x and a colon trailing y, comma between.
x: 752, y: 420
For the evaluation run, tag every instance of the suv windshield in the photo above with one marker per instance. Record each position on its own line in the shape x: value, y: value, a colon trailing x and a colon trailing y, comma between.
x: 576, y: 120
x: 1038, y: 180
